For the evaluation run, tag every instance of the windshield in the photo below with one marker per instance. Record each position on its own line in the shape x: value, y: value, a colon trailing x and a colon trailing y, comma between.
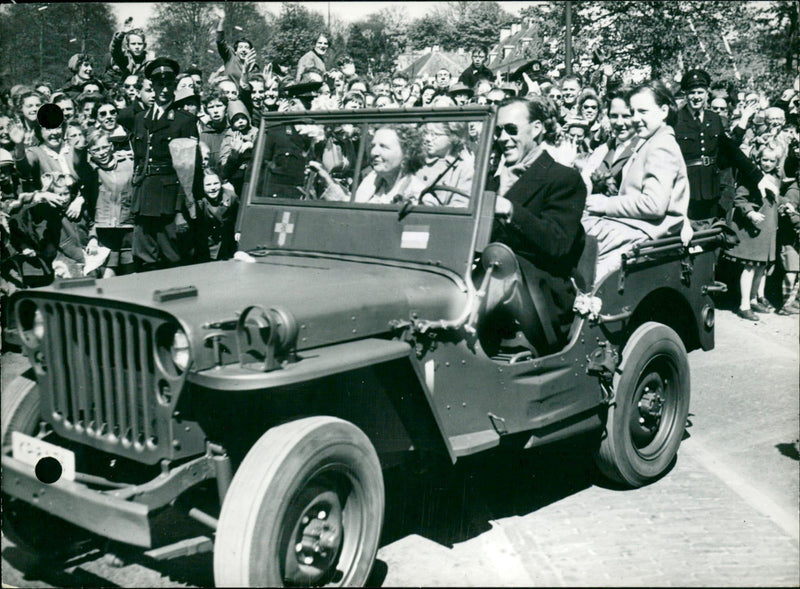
x: 429, y: 161
x: 359, y: 177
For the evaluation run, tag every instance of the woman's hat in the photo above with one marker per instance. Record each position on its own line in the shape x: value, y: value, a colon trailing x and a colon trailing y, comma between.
x: 76, y: 60
x: 186, y: 95
x: 459, y: 88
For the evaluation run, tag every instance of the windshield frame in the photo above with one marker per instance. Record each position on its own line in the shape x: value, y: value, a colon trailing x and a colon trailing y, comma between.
x: 474, y: 221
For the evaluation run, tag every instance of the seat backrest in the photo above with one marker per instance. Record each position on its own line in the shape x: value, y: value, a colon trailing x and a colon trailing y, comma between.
x: 587, y: 264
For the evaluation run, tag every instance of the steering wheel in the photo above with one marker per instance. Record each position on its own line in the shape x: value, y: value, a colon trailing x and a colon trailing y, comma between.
x: 431, y: 190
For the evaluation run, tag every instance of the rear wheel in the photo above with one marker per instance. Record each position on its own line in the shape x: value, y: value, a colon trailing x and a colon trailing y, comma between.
x: 304, y: 508
x: 34, y: 531
x: 646, y: 420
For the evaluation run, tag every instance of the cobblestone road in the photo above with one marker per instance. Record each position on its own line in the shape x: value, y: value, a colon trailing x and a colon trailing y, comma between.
x: 727, y: 514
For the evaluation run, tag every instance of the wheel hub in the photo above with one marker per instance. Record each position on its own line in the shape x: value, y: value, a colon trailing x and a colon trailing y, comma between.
x: 317, y: 539
x: 647, y: 417
x: 651, y: 406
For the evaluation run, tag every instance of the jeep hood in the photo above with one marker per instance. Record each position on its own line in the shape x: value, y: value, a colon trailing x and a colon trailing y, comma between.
x: 332, y: 300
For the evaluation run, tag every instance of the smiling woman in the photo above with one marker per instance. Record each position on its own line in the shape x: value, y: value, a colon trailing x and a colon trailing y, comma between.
x: 654, y: 193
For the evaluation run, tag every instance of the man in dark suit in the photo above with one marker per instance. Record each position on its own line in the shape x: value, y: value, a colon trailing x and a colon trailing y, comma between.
x: 144, y: 100
x: 707, y: 149
x: 162, y: 197
x: 477, y: 70
x: 538, y: 209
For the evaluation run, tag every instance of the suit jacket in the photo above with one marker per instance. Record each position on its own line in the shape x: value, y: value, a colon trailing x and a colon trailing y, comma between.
x: 654, y: 193
x: 545, y: 227
x: 157, y: 188
x: 545, y: 230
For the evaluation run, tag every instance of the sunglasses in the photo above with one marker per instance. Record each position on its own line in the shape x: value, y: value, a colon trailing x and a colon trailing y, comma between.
x: 511, y: 130
x: 106, y: 113
x: 719, y: 108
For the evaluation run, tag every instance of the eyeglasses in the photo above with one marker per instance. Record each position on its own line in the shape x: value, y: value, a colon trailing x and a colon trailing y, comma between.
x: 556, y: 96
x: 511, y: 130
x: 719, y: 108
x: 106, y: 113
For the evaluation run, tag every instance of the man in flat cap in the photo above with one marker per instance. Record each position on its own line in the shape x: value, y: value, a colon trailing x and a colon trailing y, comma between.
x: 166, y: 172
x: 707, y: 148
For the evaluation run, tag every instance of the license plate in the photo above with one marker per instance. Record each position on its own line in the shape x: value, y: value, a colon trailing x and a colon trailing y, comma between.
x: 31, y: 450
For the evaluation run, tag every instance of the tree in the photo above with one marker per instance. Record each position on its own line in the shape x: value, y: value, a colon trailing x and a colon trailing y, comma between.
x: 294, y: 32
x: 478, y: 22
x: 431, y: 29
x: 39, y: 39
x: 184, y: 31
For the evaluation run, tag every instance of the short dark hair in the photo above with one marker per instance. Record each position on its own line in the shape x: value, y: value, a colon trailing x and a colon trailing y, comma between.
x: 661, y: 94
x: 195, y: 71
x: 539, y: 109
x: 214, y: 93
x: 242, y: 40
x: 479, y: 49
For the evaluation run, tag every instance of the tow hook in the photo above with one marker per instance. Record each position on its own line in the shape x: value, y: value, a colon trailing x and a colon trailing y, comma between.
x: 602, y: 363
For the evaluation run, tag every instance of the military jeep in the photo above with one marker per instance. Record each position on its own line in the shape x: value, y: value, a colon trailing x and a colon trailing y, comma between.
x: 264, y: 396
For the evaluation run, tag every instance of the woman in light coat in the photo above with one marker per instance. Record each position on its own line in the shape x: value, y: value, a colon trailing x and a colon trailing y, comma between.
x: 654, y: 193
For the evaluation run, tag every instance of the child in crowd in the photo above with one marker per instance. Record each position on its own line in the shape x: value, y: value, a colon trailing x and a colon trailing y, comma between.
x: 755, y: 221
x: 216, y: 216
x: 789, y: 237
x: 236, y: 150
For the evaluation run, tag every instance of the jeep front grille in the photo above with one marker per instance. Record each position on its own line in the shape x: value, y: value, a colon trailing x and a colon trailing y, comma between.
x: 99, y: 369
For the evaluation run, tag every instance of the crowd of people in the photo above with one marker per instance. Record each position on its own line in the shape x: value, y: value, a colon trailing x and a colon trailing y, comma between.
x: 143, y: 166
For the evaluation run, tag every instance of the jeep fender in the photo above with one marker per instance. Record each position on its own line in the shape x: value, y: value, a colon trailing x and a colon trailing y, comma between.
x: 391, y: 362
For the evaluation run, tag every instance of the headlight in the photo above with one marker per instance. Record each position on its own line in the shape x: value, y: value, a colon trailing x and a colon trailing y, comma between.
x: 173, y: 352
x: 38, y: 325
x: 31, y: 323
x: 180, y: 350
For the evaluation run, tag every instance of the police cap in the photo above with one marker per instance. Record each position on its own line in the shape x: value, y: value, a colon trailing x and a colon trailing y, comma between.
x: 161, y: 67
x: 302, y: 90
x: 695, y: 79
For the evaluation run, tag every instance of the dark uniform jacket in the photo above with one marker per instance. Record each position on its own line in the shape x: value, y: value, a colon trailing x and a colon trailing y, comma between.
x: 707, y: 148
x: 156, y: 187
x: 470, y: 76
x: 286, y: 152
x: 127, y: 116
x: 545, y: 228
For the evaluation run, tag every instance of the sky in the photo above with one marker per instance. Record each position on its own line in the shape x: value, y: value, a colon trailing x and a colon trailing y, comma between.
x: 344, y: 11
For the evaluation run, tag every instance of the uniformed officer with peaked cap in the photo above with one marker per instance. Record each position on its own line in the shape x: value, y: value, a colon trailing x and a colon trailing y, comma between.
x: 707, y: 148
x: 160, y: 201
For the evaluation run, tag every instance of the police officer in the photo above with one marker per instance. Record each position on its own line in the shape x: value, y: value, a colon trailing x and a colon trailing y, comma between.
x: 707, y: 148
x: 162, y: 200
x: 287, y: 148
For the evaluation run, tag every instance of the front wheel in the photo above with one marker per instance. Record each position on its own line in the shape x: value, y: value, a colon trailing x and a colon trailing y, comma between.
x: 304, y: 508
x: 38, y: 533
x: 646, y: 420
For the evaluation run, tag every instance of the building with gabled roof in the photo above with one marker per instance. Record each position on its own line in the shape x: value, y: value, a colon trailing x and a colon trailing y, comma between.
x: 429, y: 62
